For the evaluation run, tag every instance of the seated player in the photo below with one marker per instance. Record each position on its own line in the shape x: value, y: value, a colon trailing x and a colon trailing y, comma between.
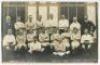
x: 60, y: 47
x: 56, y: 36
x: 35, y: 45
x: 87, y: 40
x: 75, y: 44
x: 21, y: 40
x: 9, y: 40
x: 65, y: 38
x: 44, y: 38
x: 66, y: 34
x: 30, y: 35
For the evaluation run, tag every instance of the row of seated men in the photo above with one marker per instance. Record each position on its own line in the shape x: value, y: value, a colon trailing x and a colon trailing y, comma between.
x: 38, y: 39
x: 59, y: 42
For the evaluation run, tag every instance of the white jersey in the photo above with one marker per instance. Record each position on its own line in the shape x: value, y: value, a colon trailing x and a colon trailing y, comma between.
x: 55, y: 36
x: 66, y: 42
x: 50, y: 23
x: 30, y: 37
x: 87, y: 37
x: 63, y: 23
x: 59, y: 46
x: 76, y: 35
x: 19, y: 25
x: 39, y: 24
x: 65, y: 34
x: 34, y: 46
x: 43, y: 37
x: 20, y: 38
x: 21, y: 41
x: 30, y: 25
x: 9, y: 39
x: 75, y: 44
x: 75, y: 25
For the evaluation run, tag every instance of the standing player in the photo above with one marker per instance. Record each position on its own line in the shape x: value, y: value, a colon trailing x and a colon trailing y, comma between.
x: 39, y: 26
x: 63, y: 24
x: 19, y: 24
x: 75, y: 29
x: 30, y: 24
x: 49, y: 26
x: 8, y: 22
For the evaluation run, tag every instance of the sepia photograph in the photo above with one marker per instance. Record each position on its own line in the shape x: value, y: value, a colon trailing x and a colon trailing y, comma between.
x: 49, y: 32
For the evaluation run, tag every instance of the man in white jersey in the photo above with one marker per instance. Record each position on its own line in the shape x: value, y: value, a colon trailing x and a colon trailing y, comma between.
x: 30, y: 24
x: 30, y: 35
x: 87, y: 40
x: 9, y: 40
x: 35, y: 45
x: 60, y: 43
x: 60, y: 47
x: 44, y: 38
x: 75, y: 44
x: 65, y: 39
x: 19, y: 24
x: 49, y: 25
x: 21, y: 40
x: 56, y: 36
x: 39, y: 25
x: 63, y: 23
x: 75, y: 29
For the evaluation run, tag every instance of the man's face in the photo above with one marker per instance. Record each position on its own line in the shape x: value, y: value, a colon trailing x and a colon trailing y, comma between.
x: 9, y: 31
x: 85, y: 18
x: 63, y: 17
x: 18, y: 18
x: 50, y: 16
x: 86, y: 31
x: 74, y: 19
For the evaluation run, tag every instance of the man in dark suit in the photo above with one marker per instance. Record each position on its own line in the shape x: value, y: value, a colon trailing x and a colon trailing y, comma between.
x: 87, y: 24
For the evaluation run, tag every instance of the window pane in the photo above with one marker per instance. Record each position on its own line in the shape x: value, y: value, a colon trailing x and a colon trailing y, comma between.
x: 80, y: 13
x: 21, y: 13
x: 72, y: 13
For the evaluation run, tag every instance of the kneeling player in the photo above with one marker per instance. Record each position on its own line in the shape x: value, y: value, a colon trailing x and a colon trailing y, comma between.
x: 60, y: 47
x: 35, y: 46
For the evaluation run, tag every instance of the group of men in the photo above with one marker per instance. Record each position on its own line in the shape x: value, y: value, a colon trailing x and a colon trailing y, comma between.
x: 37, y: 36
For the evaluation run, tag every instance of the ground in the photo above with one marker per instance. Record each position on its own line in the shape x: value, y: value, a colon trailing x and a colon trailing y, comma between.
x: 23, y: 56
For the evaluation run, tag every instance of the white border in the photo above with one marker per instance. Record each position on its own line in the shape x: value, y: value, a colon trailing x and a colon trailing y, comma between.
x: 55, y: 63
